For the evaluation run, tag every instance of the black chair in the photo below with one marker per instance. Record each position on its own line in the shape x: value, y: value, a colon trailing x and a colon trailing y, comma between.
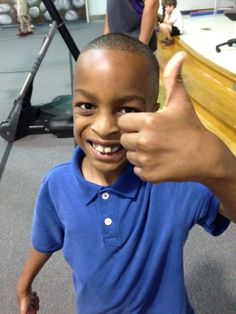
x: 231, y: 14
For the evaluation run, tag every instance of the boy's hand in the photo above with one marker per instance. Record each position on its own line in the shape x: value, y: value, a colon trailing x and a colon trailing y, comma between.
x: 28, y: 304
x: 171, y: 144
x: 28, y: 301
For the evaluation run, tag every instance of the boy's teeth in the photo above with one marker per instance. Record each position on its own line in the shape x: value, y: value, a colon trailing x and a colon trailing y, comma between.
x: 105, y: 149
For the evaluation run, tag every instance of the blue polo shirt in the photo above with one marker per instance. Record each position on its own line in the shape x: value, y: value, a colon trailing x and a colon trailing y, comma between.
x: 124, y: 243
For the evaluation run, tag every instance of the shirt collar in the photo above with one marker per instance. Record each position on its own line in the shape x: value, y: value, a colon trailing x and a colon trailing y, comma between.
x: 127, y: 184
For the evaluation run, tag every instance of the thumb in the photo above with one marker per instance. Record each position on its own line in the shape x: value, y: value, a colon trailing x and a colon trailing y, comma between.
x: 173, y: 82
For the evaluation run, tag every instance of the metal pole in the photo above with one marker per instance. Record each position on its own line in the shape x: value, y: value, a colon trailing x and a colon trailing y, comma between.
x: 87, y: 11
x: 62, y: 28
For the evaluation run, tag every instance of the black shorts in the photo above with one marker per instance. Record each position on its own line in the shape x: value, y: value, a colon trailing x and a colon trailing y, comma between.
x: 175, y: 31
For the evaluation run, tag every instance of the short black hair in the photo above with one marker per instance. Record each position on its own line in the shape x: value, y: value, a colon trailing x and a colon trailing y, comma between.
x: 123, y: 42
x: 117, y: 41
x: 171, y: 2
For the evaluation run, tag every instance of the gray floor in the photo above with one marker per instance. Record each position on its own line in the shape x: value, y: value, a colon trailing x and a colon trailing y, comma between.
x: 210, y: 263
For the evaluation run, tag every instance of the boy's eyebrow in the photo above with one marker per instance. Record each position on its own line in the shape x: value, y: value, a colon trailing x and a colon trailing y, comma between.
x: 122, y: 98
x: 84, y: 93
x: 130, y: 98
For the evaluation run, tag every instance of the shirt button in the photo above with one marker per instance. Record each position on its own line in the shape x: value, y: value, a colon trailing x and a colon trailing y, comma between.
x: 105, y: 196
x: 108, y: 221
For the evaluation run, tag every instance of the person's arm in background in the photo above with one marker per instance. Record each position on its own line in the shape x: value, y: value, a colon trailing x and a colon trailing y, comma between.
x: 28, y: 301
x: 148, y: 22
x: 106, y: 26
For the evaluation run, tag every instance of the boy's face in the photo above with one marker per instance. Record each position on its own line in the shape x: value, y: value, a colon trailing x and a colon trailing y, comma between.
x: 107, y: 84
x: 169, y: 8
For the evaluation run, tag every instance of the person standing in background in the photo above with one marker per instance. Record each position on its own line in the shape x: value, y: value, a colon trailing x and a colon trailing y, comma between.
x: 136, y: 18
x: 23, y: 18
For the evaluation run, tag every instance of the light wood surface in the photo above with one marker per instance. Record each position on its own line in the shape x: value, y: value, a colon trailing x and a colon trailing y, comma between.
x: 211, y: 88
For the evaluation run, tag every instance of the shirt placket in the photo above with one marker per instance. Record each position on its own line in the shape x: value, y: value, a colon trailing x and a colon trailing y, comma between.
x: 109, y: 218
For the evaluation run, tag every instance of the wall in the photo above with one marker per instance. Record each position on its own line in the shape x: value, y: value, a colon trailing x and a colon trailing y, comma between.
x: 70, y: 10
x: 75, y: 9
x: 98, y: 7
x: 190, y: 5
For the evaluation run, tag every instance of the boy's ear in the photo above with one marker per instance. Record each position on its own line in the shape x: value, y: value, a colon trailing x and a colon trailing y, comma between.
x: 156, y: 106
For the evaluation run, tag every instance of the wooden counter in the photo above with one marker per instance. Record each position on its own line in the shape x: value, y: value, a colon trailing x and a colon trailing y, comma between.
x: 211, y: 88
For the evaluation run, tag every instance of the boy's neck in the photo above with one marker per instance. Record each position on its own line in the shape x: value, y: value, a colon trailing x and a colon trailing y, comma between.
x: 98, y: 177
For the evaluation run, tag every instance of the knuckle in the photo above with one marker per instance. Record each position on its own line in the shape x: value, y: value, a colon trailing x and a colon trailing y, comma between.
x: 150, y: 119
x: 142, y: 142
x: 143, y: 160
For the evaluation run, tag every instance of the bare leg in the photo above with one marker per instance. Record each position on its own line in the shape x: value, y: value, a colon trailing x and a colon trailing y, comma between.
x: 25, y: 25
x: 166, y: 29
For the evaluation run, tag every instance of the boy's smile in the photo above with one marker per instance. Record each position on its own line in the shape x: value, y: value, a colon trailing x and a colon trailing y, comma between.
x: 108, y: 83
x: 106, y: 150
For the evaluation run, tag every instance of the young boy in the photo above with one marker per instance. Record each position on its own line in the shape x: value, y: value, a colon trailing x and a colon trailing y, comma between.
x: 172, y: 24
x: 123, y: 236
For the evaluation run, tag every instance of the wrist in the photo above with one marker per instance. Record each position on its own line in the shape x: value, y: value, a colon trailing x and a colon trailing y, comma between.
x: 23, y: 287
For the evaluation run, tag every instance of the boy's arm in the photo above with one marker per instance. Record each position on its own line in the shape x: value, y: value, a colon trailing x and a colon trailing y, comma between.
x: 106, y: 29
x: 173, y: 145
x: 148, y: 21
x: 28, y: 302
x: 167, y: 19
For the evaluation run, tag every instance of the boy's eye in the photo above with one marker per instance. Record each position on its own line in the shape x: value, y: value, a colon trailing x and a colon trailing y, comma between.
x: 128, y: 110
x: 86, y: 106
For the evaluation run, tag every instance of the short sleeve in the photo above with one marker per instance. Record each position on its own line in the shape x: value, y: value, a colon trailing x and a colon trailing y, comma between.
x: 210, y: 219
x: 47, y: 229
x: 194, y: 204
x: 173, y: 17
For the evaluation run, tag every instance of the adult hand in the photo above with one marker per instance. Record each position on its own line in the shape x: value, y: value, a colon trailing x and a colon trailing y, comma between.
x: 171, y: 144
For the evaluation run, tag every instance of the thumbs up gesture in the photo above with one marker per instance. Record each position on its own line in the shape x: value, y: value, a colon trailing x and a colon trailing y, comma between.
x: 171, y: 144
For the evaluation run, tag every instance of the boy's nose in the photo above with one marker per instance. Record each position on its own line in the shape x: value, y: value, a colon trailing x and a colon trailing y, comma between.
x: 105, y: 125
